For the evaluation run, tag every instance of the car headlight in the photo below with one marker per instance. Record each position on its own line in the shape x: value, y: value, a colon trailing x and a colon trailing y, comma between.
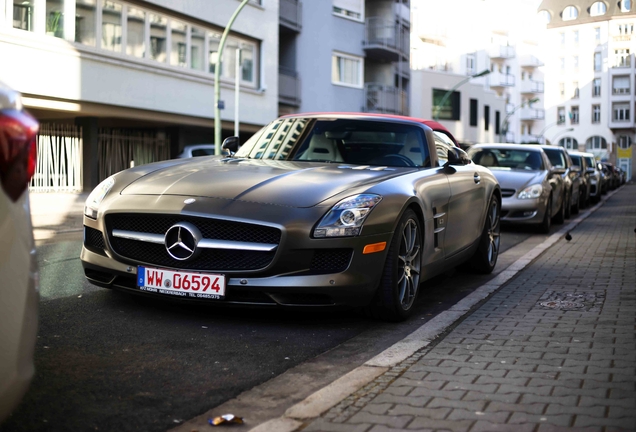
x: 345, y: 219
x: 97, y: 196
x: 531, y: 192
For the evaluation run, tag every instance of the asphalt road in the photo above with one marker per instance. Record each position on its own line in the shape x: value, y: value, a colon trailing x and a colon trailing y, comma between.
x: 112, y: 361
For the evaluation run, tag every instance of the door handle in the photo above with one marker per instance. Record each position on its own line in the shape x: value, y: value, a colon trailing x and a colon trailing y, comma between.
x: 477, y: 178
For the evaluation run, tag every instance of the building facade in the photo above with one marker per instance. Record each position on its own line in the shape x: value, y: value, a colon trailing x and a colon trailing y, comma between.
x: 501, y: 53
x: 590, y: 93
x: 126, y: 83
x: 344, y: 55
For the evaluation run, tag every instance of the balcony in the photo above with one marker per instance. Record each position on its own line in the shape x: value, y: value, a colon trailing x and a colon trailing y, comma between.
x: 502, y: 52
x: 623, y: 62
x: 623, y: 38
x: 290, y: 14
x: 288, y: 86
x: 402, y: 68
x: 530, y: 61
x: 531, y: 114
x: 528, y: 138
x: 380, y: 98
x: 386, y: 40
x: 531, y: 86
x: 498, y: 79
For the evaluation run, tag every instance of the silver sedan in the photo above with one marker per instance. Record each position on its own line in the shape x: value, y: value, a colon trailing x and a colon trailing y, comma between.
x: 531, y: 188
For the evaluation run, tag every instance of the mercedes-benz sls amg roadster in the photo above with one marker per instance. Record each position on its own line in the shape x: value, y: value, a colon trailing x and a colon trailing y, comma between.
x: 313, y: 210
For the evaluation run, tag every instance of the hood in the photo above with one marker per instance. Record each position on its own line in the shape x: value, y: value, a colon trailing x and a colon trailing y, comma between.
x: 518, y: 179
x: 293, y: 184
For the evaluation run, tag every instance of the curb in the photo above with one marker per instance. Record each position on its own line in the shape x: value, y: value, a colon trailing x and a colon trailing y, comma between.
x: 329, y: 396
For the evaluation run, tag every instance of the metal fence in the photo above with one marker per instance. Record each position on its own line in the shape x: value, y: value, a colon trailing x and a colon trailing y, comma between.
x: 59, y: 159
x: 121, y: 149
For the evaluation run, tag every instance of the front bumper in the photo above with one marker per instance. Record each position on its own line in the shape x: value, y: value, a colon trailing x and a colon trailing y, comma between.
x: 526, y: 211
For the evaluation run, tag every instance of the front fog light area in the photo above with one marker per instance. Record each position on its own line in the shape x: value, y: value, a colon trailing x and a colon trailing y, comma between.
x: 345, y: 219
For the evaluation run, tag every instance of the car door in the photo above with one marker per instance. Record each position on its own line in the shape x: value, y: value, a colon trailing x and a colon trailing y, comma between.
x: 467, y: 203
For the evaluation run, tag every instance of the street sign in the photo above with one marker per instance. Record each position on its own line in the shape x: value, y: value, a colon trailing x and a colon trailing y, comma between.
x: 221, y: 105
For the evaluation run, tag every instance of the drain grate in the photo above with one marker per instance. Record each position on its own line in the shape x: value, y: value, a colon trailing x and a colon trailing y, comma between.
x: 588, y: 301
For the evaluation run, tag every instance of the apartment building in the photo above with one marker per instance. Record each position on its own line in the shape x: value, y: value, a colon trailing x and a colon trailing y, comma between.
x: 131, y: 82
x: 591, y: 77
x: 344, y: 55
x: 497, y: 43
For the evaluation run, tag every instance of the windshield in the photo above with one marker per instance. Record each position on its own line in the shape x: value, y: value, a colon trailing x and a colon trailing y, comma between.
x: 499, y: 158
x: 576, y: 160
x: 590, y: 161
x: 557, y: 158
x: 360, y: 142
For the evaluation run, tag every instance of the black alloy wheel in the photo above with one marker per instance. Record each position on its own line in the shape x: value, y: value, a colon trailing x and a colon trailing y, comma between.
x: 485, y: 257
x: 544, y: 226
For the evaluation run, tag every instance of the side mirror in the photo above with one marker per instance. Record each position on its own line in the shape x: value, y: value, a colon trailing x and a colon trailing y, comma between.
x: 231, y: 144
x: 558, y: 170
x: 575, y: 168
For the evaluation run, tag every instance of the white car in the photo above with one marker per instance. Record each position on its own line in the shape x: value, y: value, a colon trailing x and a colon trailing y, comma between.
x: 197, y: 150
x: 19, y: 293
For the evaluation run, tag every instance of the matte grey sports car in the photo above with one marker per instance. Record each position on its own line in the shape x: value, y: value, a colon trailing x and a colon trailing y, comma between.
x: 313, y: 210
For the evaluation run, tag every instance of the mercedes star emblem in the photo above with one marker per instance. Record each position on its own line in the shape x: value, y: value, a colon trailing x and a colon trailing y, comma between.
x: 181, y: 241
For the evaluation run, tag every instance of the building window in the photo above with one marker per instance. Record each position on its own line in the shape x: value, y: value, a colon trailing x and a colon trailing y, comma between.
x: 624, y: 141
x: 451, y: 108
x: 248, y: 58
x: 470, y: 64
x: 562, y: 63
x: 497, y: 120
x: 622, y: 58
x: 596, y: 87
x: 178, y: 43
x: 574, y: 115
x: 562, y: 38
x: 575, y: 87
x: 575, y: 36
x: 626, y: 5
x: 596, y: 113
x: 545, y: 16
x: 597, y: 34
x: 158, y: 35
x: 346, y: 70
x: 23, y: 15
x: 562, y: 89
x: 620, y: 112
x: 486, y: 117
x: 353, y: 9
x: 560, y: 115
x: 111, y: 26
x: 596, y: 143
x: 55, y: 18
x: 598, y: 8
x: 575, y: 62
x: 197, y: 48
x: 85, y: 23
x: 473, y: 112
x: 569, y: 143
x: 570, y: 13
x: 598, y: 61
x: 625, y: 29
x: 620, y: 85
x: 136, y: 32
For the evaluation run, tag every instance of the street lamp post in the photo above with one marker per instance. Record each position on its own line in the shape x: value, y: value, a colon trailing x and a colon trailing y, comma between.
x: 439, y: 106
x: 217, y: 78
x: 503, y: 128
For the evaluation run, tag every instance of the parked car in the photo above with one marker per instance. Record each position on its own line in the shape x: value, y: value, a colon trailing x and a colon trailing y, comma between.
x: 560, y: 159
x: 532, y: 190
x: 596, y: 177
x: 604, y: 177
x: 314, y: 210
x: 579, y: 160
x: 18, y: 267
x: 197, y: 150
x: 613, y: 176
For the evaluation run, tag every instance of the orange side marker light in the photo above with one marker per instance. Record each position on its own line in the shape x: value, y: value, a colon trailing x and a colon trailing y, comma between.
x: 373, y: 248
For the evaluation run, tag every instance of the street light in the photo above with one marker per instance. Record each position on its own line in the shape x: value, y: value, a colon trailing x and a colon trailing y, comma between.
x: 503, y: 128
x: 439, y: 106
x: 217, y: 78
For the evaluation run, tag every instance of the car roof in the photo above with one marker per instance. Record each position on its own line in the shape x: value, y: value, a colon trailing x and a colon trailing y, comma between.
x: 436, y: 126
x: 509, y: 146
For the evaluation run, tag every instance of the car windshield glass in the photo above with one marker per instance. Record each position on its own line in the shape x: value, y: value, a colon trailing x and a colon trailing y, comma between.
x: 498, y: 158
x: 351, y: 141
x: 203, y: 152
x: 590, y: 161
x: 576, y: 160
x: 557, y: 158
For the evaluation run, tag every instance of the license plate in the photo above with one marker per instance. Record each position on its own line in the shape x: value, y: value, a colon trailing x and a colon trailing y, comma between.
x: 182, y: 284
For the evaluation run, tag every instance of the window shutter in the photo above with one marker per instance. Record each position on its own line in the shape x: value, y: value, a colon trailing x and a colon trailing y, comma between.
x: 355, y: 6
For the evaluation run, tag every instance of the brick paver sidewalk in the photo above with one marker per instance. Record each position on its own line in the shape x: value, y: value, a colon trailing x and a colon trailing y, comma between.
x: 520, y: 362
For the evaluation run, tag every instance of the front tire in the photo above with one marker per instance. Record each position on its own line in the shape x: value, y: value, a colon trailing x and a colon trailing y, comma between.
x: 559, y: 218
x: 400, y: 280
x: 544, y: 226
x: 485, y: 257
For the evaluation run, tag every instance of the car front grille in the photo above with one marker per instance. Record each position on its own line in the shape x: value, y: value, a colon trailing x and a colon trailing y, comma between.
x: 507, y: 193
x: 208, y: 259
x: 94, y: 240
x: 330, y: 260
